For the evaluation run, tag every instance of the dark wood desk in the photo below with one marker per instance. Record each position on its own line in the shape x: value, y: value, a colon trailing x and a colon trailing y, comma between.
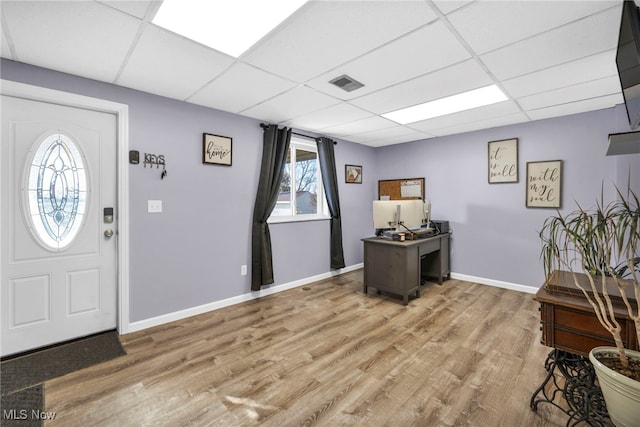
x: 400, y: 267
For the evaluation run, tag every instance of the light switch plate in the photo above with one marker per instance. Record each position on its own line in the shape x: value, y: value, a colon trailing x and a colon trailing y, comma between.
x: 154, y: 206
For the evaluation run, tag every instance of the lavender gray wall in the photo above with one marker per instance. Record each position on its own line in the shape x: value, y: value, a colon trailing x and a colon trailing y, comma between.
x: 191, y: 254
x: 495, y: 235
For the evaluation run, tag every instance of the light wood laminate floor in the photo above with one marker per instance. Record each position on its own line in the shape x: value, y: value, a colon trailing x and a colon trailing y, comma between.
x: 324, y: 354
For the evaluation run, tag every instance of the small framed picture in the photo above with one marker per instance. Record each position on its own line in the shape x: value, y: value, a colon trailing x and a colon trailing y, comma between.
x: 216, y: 149
x: 353, y: 174
x: 544, y: 184
x: 503, y: 161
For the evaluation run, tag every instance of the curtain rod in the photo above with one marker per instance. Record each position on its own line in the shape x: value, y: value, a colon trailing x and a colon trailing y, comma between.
x: 264, y: 126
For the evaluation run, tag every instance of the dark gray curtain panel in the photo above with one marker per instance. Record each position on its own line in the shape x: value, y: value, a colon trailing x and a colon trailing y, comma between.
x: 327, y: 158
x: 274, y: 155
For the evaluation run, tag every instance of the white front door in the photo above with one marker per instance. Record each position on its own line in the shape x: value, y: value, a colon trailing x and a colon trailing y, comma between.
x: 58, y: 223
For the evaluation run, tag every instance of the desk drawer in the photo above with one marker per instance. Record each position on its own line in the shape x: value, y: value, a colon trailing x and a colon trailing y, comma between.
x: 579, y: 331
x: 429, y: 246
x: 580, y: 322
x: 578, y: 343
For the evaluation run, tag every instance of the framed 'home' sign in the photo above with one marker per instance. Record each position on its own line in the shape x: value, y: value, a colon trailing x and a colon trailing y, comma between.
x: 216, y: 149
x: 503, y: 161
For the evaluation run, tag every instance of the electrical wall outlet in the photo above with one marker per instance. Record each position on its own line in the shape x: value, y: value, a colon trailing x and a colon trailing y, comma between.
x: 154, y: 206
x: 243, y: 270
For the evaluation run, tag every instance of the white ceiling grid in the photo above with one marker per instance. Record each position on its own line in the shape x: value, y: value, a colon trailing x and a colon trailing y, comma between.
x: 551, y: 58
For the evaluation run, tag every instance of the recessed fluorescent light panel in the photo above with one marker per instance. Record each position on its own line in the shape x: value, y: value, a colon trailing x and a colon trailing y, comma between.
x: 229, y: 26
x: 452, y: 104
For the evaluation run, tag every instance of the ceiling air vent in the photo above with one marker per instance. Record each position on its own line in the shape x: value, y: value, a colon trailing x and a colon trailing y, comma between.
x: 346, y: 83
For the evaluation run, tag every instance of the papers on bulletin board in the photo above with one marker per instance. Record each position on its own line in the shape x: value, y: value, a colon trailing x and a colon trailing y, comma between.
x: 410, y: 189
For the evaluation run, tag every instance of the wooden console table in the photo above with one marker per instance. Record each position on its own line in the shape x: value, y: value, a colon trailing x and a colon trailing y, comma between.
x: 568, y: 322
x: 399, y: 267
x: 569, y: 325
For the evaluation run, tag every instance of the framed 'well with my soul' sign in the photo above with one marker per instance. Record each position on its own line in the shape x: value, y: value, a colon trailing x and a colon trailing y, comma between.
x: 544, y: 184
x: 216, y: 149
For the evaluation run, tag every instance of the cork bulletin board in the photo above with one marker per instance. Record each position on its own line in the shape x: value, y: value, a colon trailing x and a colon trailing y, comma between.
x: 401, y: 189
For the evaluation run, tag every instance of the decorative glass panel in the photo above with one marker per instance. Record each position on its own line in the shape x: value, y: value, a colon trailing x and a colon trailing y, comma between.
x: 57, y: 190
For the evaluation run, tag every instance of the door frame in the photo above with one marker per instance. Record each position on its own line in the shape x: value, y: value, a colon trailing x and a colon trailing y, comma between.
x: 121, y: 111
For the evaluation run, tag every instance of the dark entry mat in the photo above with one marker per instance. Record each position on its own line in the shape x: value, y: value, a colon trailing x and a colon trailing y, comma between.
x: 25, y: 371
x: 24, y: 408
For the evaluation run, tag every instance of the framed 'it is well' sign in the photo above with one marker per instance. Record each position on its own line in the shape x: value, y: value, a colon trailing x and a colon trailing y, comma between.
x: 503, y: 161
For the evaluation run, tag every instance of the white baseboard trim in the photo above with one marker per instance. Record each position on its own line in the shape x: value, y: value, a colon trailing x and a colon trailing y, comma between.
x: 216, y: 305
x: 496, y: 283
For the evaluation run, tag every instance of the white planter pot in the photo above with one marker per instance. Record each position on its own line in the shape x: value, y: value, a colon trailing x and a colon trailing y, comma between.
x: 621, y: 394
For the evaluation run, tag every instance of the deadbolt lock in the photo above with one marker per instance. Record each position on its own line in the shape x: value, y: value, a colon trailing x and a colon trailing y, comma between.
x: 108, y: 215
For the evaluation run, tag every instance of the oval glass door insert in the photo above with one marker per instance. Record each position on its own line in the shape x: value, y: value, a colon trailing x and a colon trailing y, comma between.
x: 57, y: 189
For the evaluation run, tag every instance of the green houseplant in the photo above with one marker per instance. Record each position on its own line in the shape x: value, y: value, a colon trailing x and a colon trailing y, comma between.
x: 601, y: 245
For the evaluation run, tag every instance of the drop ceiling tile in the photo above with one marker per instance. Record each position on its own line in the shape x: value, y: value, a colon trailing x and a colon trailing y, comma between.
x: 494, y: 122
x: 331, y: 116
x: 71, y: 37
x: 241, y: 87
x: 507, y: 22
x: 386, y: 44
x: 325, y: 34
x: 448, y: 6
x: 576, y: 107
x: 594, y: 34
x: 427, y: 49
x: 400, y: 139
x: 136, y: 8
x: 360, y: 126
x: 475, y: 115
x: 189, y: 67
x: 389, y: 136
x: 568, y: 94
x: 291, y: 104
x: 445, y: 82
x: 5, y: 51
x: 582, y: 70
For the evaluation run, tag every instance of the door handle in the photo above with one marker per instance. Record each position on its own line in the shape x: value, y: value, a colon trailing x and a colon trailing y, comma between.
x: 108, y: 232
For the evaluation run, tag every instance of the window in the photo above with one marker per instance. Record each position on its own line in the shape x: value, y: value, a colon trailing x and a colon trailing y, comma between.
x: 301, y: 193
x: 56, y: 191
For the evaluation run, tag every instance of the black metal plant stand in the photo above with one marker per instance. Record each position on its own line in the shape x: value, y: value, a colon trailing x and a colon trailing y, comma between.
x: 572, y: 379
